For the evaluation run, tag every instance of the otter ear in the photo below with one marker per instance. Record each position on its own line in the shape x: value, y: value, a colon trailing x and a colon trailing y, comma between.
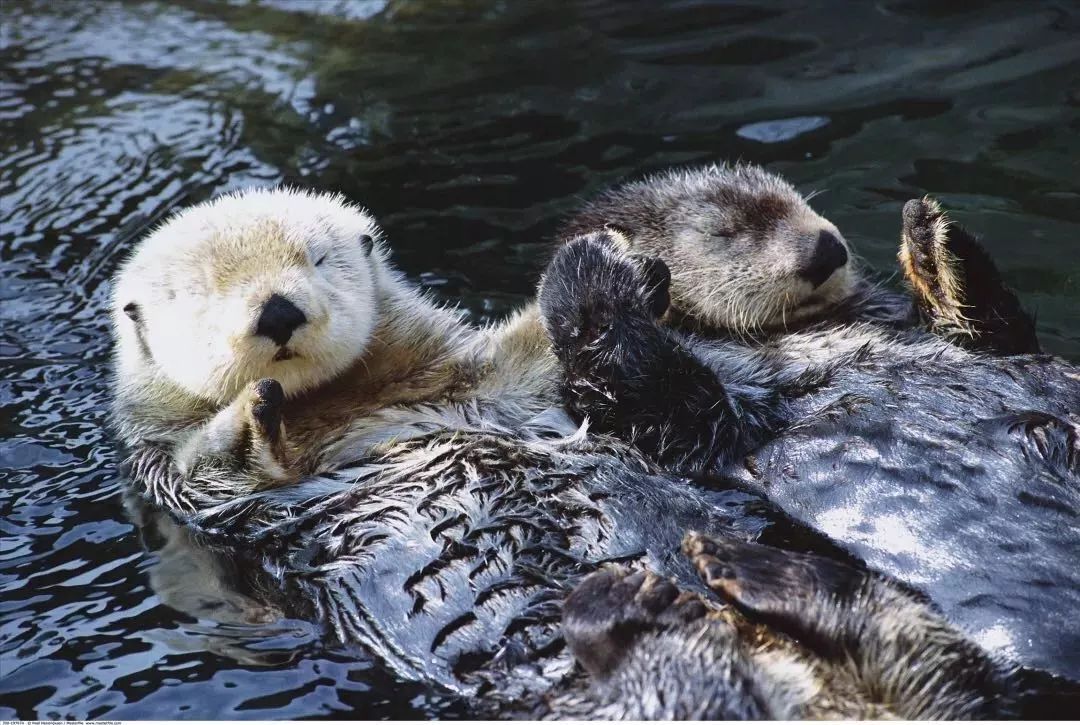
x: 625, y: 231
x: 617, y: 237
x: 131, y: 309
x: 366, y: 243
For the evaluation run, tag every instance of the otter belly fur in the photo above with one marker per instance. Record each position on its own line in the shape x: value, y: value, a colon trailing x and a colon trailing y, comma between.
x: 954, y: 471
x: 413, y: 488
x: 449, y: 557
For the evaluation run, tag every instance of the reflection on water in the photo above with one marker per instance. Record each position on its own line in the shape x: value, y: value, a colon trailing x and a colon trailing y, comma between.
x: 469, y: 128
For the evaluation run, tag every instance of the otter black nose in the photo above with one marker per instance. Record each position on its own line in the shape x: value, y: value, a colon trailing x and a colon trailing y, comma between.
x: 829, y: 256
x: 279, y: 319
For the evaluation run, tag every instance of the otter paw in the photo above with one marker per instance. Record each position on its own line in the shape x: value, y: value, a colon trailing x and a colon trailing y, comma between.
x: 268, y: 452
x: 768, y: 584
x: 267, y: 397
x: 592, y: 286
x: 930, y: 265
x: 957, y: 286
x: 609, y: 610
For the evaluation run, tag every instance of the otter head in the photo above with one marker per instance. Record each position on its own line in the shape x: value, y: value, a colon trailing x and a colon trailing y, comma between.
x: 261, y: 284
x: 745, y: 249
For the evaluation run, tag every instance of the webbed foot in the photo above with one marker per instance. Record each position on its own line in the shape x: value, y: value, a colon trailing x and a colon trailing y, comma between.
x: 894, y: 643
x: 957, y: 287
x: 778, y: 587
x: 611, y: 609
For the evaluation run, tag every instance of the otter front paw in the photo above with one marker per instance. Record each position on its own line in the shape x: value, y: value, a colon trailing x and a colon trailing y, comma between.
x: 611, y: 609
x: 957, y: 287
x: 267, y: 398
x: 248, y: 435
x: 268, y: 452
x: 592, y: 287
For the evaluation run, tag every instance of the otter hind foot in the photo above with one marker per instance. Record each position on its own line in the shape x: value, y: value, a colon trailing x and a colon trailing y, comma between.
x: 957, y: 287
x: 929, y: 265
x: 767, y: 584
x: 654, y: 652
x: 890, y: 640
x: 605, y: 614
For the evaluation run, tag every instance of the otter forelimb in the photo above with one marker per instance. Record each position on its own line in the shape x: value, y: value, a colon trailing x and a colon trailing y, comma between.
x: 634, y: 377
x: 957, y: 287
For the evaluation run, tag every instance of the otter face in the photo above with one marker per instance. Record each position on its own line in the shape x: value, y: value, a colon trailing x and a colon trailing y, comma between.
x: 745, y: 249
x: 263, y: 284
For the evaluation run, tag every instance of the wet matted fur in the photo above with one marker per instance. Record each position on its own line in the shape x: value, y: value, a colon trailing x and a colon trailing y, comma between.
x: 441, y: 509
x: 951, y: 470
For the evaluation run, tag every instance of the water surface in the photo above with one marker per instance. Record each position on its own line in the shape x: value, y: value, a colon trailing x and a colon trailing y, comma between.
x: 469, y: 128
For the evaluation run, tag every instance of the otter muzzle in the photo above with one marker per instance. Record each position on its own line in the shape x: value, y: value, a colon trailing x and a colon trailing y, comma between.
x: 279, y: 319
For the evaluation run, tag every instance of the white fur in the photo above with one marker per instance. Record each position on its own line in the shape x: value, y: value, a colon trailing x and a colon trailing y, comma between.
x: 201, y: 278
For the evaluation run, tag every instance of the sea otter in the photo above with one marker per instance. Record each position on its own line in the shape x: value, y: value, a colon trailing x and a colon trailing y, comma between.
x: 954, y: 471
x: 413, y: 487
x: 267, y: 331
x: 750, y: 259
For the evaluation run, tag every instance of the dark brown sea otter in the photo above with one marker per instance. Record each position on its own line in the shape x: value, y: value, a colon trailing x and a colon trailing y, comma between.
x: 953, y: 470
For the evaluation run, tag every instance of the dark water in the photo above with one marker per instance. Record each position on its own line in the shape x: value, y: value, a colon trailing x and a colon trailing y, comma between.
x: 469, y: 128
